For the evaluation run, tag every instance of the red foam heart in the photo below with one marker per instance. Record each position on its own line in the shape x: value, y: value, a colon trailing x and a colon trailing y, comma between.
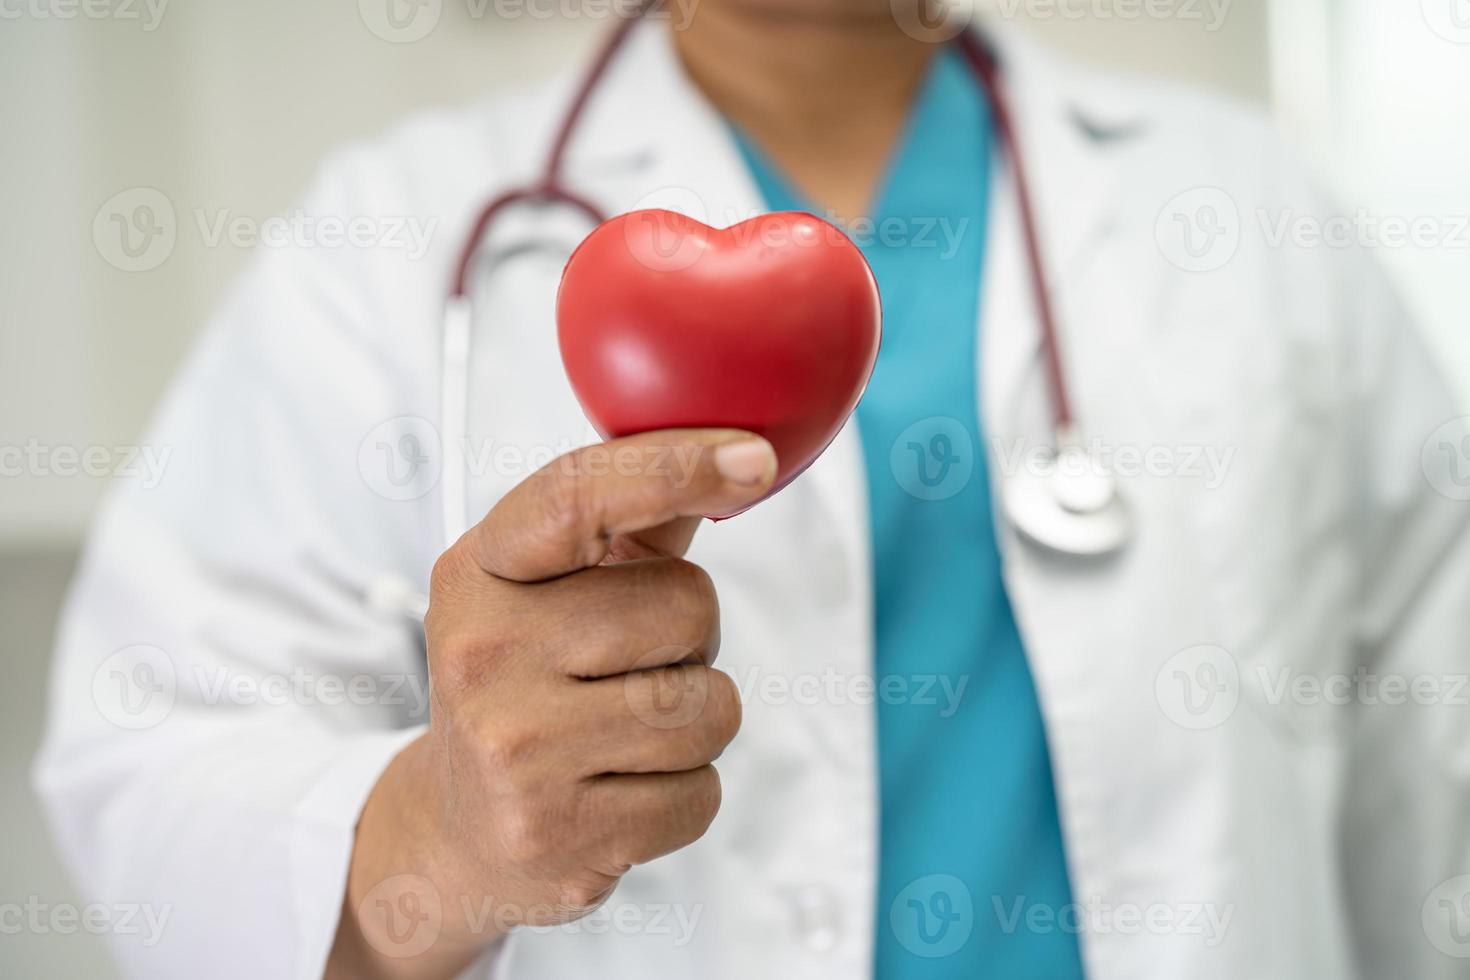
x: 770, y: 325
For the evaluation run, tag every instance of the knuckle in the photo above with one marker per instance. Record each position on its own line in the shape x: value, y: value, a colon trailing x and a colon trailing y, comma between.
x: 503, y: 749
x: 718, y: 720
x: 569, y: 507
x: 507, y: 752
x: 451, y: 650
x: 723, y: 707
x: 693, y: 578
x: 585, y: 893
x: 704, y: 798
x: 460, y: 644
x: 523, y: 835
x: 692, y: 582
x: 446, y: 588
x: 445, y: 575
x: 461, y: 656
x: 450, y: 644
x: 693, y: 596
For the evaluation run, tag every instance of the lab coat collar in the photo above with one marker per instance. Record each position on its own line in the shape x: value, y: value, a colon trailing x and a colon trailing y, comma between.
x: 651, y: 139
x: 1074, y: 128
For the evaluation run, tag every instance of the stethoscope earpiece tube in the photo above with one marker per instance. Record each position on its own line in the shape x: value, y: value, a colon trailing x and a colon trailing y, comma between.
x: 1073, y: 508
x: 454, y: 417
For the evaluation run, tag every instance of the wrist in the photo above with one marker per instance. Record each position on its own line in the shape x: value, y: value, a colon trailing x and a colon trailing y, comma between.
x: 403, y: 917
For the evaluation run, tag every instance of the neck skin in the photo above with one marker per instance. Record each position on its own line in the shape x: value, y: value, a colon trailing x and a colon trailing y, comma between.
x: 824, y: 95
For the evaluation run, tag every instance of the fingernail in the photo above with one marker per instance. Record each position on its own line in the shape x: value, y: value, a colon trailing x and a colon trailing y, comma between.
x: 746, y: 461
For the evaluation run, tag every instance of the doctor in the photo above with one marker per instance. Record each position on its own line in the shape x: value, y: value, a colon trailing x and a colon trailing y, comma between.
x: 959, y: 754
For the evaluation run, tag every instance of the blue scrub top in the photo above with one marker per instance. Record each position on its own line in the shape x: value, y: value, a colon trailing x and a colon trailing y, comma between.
x: 971, y: 841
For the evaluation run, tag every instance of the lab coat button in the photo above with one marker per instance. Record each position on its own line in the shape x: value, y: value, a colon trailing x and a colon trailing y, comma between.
x: 818, y: 918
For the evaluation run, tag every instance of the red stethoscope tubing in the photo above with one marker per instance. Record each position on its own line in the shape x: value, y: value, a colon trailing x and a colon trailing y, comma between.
x: 984, y: 65
x: 550, y: 190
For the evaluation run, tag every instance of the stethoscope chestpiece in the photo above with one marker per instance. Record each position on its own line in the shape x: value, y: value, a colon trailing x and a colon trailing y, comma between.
x: 1069, y: 504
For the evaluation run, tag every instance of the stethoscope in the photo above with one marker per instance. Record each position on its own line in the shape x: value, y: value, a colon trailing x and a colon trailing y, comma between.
x: 1066, y: 501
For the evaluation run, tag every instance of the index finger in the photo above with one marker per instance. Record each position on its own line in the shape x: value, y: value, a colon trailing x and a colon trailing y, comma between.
x: 564, y: 517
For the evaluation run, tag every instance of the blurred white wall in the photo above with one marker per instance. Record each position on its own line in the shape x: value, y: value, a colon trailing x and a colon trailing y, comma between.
x: 1378, y: 96
x: 221, y: 106
x: 1221, y: 44
x: 227, y: 106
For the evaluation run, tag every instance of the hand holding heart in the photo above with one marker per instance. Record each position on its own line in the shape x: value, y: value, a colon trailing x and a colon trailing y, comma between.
x: 576, y: 710
x: 771, y: 326
x: 556, y: 758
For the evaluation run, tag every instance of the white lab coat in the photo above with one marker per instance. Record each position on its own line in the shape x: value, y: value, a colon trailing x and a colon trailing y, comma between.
x: 1319, y: 832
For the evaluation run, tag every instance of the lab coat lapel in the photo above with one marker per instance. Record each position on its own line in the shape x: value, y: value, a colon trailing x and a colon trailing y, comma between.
x: 1073, y: 180
x: 1094, y: 630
